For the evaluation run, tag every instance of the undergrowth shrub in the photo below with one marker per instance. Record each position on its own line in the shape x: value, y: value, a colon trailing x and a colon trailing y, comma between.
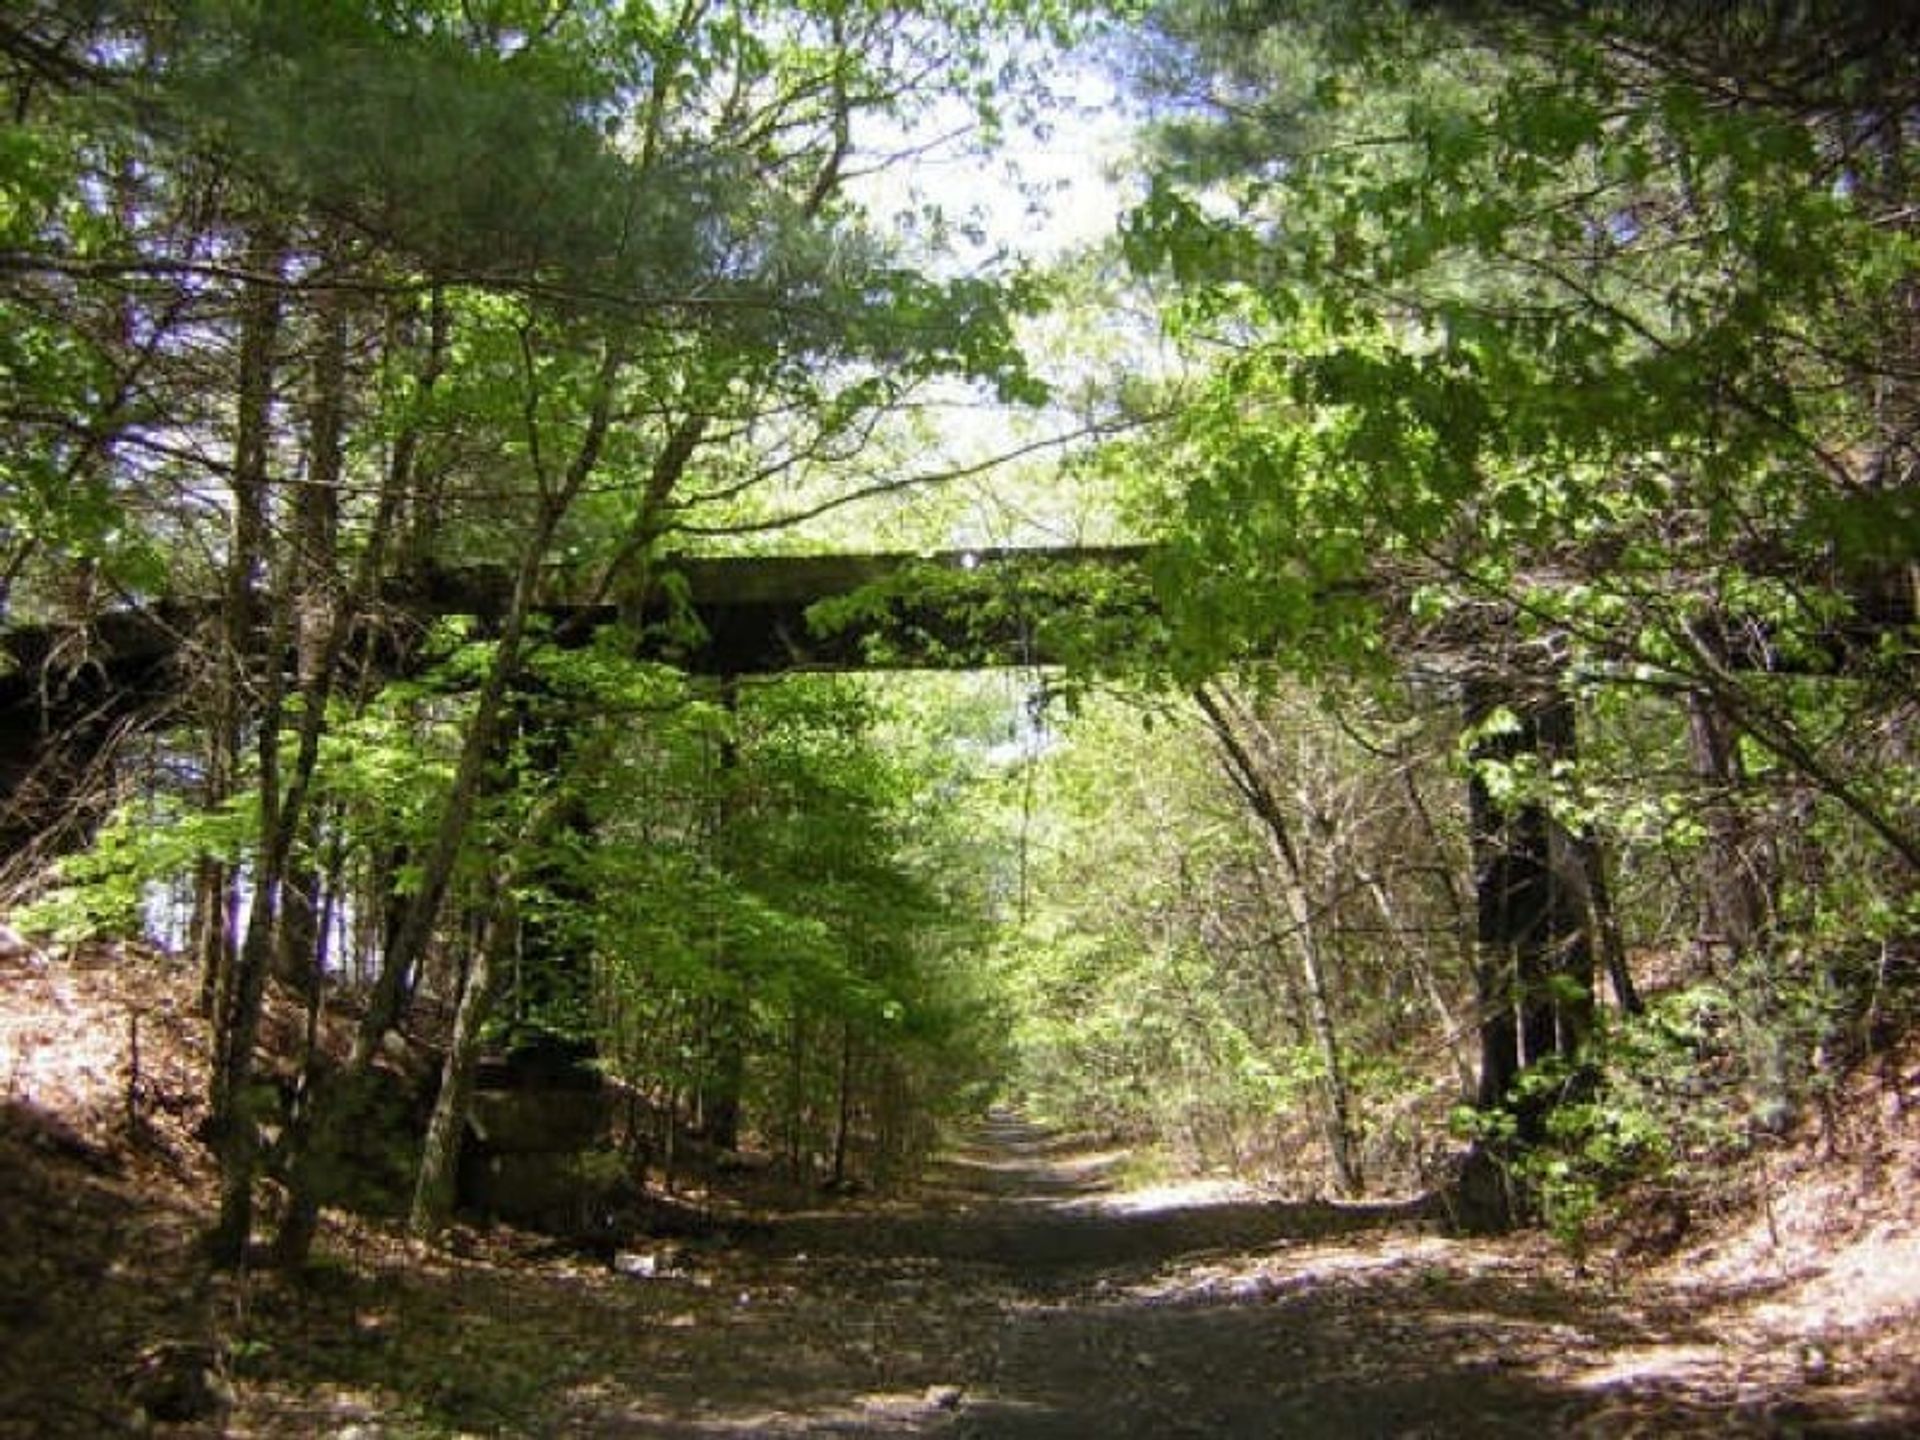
x: 1674, y: 1099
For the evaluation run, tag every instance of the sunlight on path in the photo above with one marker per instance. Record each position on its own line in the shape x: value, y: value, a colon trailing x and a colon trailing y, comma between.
x: 1009, y: 1158
x: 1026, y: 1294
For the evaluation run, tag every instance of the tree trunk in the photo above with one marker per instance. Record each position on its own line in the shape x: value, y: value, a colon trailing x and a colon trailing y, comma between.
x: 436, y: 1187
x: 503, y: 931
x: 843, y: 1118
x: 1451, y: 1025
x: 238, y: 640
x: 211, y: 929
x: 314, y: 586
x: 1603, y: 921
x: 720, y: 1098
x: 726, y: 1080
x: 415, y: 517
x: 1733, y: 878
x: 476, y: 750
x: 233, y: 981
x: 797, y: 1096
x: 1308, y: 938
x: 335, y: 1107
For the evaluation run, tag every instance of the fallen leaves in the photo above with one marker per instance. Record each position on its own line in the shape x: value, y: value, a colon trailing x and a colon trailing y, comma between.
x: 1015, y: 1296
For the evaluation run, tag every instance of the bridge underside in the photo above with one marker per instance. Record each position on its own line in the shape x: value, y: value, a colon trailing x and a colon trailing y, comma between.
x: 773, y: 614
x: 66, y: 692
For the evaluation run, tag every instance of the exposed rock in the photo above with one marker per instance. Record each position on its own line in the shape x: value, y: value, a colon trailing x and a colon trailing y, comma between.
x: 576, y: 1194
x: 536, y: 1154
x: 178, y: 1382
x: 538, y: 1121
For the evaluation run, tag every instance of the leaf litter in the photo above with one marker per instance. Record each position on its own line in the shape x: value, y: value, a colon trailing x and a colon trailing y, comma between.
x: 1019, y: 1292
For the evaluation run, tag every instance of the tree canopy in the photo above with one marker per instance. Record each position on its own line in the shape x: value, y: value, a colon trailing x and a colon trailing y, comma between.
x: 1519, y: 402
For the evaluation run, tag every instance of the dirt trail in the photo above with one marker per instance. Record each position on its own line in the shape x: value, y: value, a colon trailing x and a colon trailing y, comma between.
x: 1021, y: 1297
x: 1020, y: 1293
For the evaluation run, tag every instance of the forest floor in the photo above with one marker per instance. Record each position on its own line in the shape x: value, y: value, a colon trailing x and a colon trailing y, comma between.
x: 1021, y: 1291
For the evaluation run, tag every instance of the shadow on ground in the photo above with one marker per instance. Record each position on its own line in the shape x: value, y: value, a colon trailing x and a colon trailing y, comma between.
x: 1010, y: 1304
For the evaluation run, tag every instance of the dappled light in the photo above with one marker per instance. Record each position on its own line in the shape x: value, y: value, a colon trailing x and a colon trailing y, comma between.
x: 1028, y: 1286
x: 934, y: 718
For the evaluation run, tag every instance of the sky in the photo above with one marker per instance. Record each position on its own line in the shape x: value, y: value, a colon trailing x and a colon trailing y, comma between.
x: 1051, y: 188
x: 1047, y: 189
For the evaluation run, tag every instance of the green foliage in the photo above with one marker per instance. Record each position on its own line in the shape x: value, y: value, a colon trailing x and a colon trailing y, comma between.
x: 1676, y: 1097
x: 555, y: 283
x: 763, y: 882
x: 1514, y: 356
x: 1504, y: 322
x: 104, y: 890
x: 1152, y: 976
x: 1088, y: 618
x: 1496, y: 338
x: 61, y: 506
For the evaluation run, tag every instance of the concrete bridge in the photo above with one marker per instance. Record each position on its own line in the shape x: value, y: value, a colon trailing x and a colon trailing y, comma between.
x: 67, y: 691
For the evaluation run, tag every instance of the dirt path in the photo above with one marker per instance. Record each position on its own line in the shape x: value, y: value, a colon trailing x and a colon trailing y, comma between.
x: 1019, y: 1295
x: 1022, y: 1298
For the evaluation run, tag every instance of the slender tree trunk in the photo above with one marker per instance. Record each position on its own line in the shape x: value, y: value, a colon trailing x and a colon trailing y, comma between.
x: 1603, y: 921
x: 797, y: 1096
x: 501, y: 933
x: 315, y: 586
x: 238, y: 640
x: 285, y: 815
x: 315, y: 622
x: 725, y: 1089
x: 1733, y: 885
x: 228, y: 979
x: 210, y: 930
x: 843, y: 1118
x: 476, y: 750
x: 336, y: 1107
x: 238, y: 1127
x: 416, y: 513
x: 1568, y: 942
x: 437, y: 1185
x: 1308, y: 938
x: 1451, y: 1025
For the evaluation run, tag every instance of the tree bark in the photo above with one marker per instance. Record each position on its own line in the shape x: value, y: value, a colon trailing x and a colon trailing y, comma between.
x: 233, y: 980
x: 1451, y: 1025
x: 1309, y: 941
x: 335, y: 1107
x: 843, y: 1118
x: 1603, y: 921
x: 725, y: 1083
x: 1734, y: 887
x: 315, y: 585
x: 238, y: 640
x: 436, y: 1186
